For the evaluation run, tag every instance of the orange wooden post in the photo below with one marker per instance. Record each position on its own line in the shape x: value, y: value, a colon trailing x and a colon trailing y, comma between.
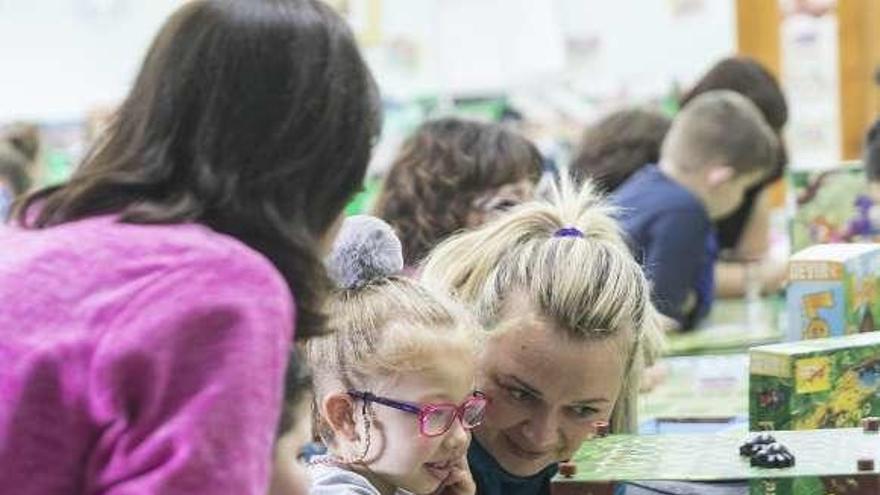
x: 859, y: 57
x: 757, y: 29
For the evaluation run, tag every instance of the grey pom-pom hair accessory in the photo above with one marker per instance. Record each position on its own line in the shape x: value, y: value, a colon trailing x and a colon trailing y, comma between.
x: 365, y: 249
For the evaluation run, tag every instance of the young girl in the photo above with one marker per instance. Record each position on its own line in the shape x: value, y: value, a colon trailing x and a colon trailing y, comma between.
x: 394, y: 384
x: 454, y: 174
x: 149, y: 305
x: 569, y: 320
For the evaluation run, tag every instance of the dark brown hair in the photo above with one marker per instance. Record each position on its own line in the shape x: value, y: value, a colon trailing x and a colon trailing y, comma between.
x: 255, y: 118
x: 441, y: 170
x: 749, y: 78
x: 618, y: 145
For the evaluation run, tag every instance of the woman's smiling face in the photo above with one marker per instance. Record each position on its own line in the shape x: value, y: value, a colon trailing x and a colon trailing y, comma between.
x: 546, y: 390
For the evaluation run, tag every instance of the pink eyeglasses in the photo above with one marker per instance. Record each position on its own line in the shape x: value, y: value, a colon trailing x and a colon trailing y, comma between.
x: 435, y: 419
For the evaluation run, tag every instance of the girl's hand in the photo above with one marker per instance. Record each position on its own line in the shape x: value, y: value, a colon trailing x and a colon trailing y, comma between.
x: 459, y: 481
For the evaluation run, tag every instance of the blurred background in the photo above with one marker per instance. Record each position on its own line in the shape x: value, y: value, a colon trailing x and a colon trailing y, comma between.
x: 549, y: 66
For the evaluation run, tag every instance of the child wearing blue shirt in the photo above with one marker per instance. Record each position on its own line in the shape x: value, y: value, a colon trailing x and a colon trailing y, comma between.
x: 717, y: 147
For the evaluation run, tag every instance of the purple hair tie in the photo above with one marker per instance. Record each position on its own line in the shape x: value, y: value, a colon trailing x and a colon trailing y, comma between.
x: 568, y: 232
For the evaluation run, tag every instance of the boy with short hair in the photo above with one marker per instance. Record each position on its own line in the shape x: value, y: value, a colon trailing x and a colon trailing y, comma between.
x: 718, y: 146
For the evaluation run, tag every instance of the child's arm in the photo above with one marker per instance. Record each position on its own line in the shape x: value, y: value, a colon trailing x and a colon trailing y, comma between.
x: 731, y: 276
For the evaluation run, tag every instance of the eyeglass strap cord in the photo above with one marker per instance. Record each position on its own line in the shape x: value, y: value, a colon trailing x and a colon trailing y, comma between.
x: 367, y: 424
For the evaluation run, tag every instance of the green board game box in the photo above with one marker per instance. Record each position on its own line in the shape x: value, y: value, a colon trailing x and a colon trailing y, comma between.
x: 832, y: 291
x: 812, y: 384
x: 826, y: 462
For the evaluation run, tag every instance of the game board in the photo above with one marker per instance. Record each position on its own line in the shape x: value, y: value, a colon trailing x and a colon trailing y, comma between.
x: 824, y: 459
x: 697, y: 388
x: 733, y: 326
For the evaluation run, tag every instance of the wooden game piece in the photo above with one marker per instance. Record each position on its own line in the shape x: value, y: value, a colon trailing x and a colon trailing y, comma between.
x: 871, y: 424
x: 865, y: 464
x: 567, y: 469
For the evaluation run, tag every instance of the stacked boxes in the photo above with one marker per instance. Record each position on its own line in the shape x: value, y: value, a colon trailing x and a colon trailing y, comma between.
x: 812, y: 384
x: 833, y: 291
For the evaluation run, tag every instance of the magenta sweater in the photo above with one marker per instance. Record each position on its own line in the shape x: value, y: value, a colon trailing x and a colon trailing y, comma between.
x: 138, y: 360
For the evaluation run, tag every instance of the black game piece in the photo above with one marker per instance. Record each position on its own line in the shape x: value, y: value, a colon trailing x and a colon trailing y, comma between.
x: 773, y: 455
x: 752, y: 445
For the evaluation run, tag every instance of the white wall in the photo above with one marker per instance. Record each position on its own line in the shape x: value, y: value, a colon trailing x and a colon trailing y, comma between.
x: 644, y: 45
x: 59, y: 58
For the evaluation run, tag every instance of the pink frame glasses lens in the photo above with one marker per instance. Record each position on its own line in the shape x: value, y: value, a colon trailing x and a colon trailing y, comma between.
x: 477, y: 402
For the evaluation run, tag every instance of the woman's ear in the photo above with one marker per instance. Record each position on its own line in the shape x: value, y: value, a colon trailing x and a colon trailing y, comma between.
x: 338, y: 410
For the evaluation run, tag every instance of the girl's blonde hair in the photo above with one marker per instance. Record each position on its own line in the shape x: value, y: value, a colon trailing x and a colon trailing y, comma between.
x: 588, y: 284
x: 382, y: 325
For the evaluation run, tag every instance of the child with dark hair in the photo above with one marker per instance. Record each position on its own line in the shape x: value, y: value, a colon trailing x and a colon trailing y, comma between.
x: 618, y: 145
x: 151, y: 302
x: 454, y: 174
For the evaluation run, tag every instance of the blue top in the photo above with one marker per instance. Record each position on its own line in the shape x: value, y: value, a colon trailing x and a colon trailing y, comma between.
x: 671, y: 234
x: 492, y: 479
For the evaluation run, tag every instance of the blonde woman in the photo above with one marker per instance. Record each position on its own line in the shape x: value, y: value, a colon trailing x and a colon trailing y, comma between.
x: 394, y: 382
x: 569, y: 319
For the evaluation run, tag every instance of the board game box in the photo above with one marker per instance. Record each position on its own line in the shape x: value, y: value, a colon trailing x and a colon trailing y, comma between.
x: 832, y: 291
x: 827, y: 462
x: 812, y: 384
x: 832, y: 206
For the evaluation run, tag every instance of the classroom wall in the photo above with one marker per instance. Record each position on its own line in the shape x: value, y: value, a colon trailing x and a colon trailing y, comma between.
x: 58, y: 58
x: 61, y: 57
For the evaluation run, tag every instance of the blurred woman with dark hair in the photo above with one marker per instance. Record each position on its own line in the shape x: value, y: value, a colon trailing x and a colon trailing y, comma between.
x: 149, y: 304
x: 454, y: 174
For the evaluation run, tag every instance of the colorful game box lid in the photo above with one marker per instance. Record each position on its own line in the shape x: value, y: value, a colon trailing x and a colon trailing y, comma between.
x: 832, y: 206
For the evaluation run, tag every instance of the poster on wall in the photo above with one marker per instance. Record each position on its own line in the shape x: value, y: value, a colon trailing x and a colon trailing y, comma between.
x: 810, y: 79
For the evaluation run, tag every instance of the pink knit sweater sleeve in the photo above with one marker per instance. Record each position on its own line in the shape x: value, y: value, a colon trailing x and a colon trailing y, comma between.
x: 186, y: 382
